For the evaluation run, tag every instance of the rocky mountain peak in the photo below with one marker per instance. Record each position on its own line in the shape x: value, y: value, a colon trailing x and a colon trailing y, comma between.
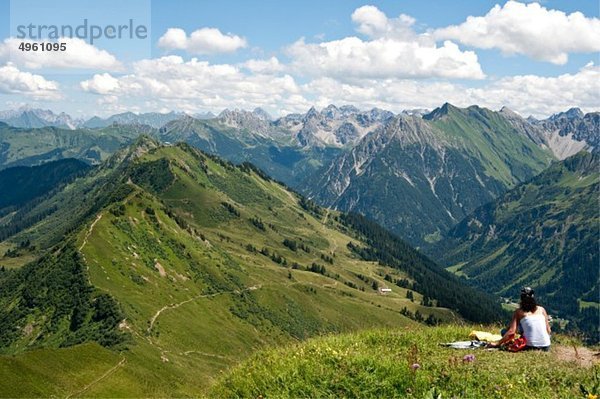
x: 261, y: 114
x: 508, y: 112
x: 572, y: 113
x: 347, y: 110
x: 29, y: 117
x: 257, y: 122
x: 311, y: 114
x: 440, y: 112
x: 331, y: 111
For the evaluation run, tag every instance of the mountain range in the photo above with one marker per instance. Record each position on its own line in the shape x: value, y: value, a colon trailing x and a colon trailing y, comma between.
x: 420, y: 175
x: 34, y: 146
x: 27, y: 117
x: 427, y: 170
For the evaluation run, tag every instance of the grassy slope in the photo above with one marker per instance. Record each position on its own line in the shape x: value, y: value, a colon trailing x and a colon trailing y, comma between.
x: 504, y: 154
x: 376, y: 364
x: 33, y: 146
x: 48, y: 221
x: 54, y: 372
x: 219, y: 301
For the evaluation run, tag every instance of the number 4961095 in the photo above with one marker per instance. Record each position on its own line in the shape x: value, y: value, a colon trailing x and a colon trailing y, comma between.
x: 26, y: 46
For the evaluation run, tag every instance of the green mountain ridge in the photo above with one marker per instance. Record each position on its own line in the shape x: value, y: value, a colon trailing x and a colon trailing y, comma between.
x: 183, y: 264
x: 30, y: 147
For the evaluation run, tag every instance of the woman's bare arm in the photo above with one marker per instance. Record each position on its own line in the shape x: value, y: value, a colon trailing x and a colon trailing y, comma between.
x: 512, y: 329
x: 548, y: 329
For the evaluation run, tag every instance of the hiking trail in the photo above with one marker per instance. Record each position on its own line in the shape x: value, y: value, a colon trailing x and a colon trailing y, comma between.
x: 176, y: 305
x: 97, y: 380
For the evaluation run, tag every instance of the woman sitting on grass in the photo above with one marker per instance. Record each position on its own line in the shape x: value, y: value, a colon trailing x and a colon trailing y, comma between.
x: 533, y: 320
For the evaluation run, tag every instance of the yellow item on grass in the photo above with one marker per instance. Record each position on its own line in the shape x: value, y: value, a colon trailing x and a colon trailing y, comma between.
x: 484, y: 336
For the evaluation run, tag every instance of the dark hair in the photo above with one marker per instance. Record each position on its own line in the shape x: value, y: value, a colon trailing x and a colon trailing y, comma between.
x: 528, y: 303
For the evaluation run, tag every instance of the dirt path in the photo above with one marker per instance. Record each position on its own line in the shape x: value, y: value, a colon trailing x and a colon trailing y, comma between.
x: 581, y: 355
x: 187, y: 353
x: 326, y: 216
x: 85, y: 240
x: 323, y: 227
x: 176, y: 305
x: 89, y: 232
x: 97, y: 380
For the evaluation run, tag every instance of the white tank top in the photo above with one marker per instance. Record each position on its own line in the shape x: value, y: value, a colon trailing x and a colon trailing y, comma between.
x: 534, y: 330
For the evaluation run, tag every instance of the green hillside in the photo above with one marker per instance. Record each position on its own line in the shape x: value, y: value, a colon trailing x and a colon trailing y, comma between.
x: 504, y: 153
x: 543, y: 233
x: 180, y: 265
x: 45, y: 223
x: 408, y: 363
x: 29, y: 147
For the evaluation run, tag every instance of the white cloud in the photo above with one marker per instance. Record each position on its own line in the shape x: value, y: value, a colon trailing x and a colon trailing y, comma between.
x: 393, y: 50
x: 14, y: 81
x: 272, y: 65
x: 198, y: 85
x: 374, y: 23
x: 542, y: 96
x: 383, y: 58
x: 201, y: 41
x: 193, y: 86
x: 385, y: 69
x: 78, y: 55
x: 101, y: 84
x: 527, y: 94
x: 529, y: 29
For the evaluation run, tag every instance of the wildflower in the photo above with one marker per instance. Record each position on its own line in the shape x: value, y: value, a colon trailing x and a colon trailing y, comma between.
x: 468, y: 358
x: 592, y: 396
x: 415, y: 366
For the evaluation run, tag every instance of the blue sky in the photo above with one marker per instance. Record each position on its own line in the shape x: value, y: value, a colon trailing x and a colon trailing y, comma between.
x: 287, y: 56
x: 270, y: 27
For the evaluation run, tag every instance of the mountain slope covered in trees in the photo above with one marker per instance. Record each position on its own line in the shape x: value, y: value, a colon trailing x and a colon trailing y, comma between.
x: 543, y: 233
x: 20, y: 185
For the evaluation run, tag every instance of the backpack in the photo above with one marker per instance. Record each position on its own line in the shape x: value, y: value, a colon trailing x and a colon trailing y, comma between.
x: 516, y: 344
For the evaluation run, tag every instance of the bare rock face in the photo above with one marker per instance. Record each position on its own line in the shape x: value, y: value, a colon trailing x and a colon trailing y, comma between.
x: 575, y: 126
x: 26, y: 117
x: 333, y: 126
x: 546, y: 133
